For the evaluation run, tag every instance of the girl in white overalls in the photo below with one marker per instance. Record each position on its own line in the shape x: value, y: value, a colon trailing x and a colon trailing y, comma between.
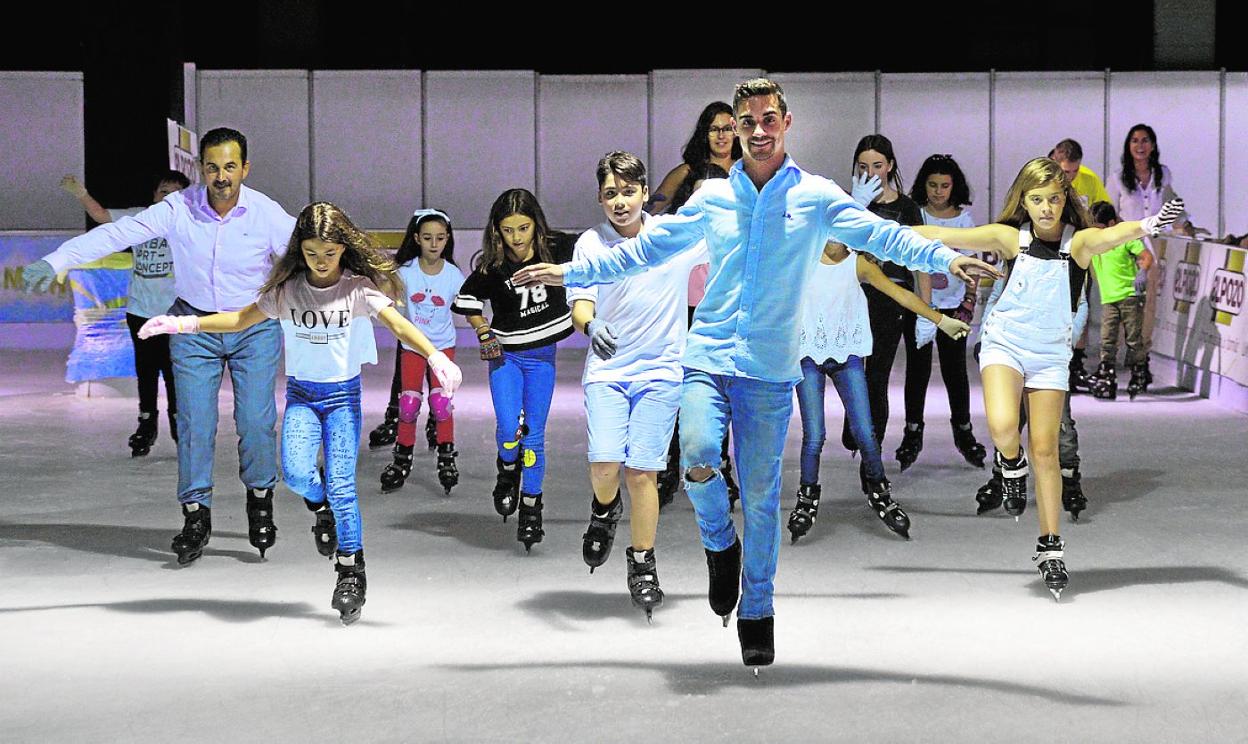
x: 1027, y: 336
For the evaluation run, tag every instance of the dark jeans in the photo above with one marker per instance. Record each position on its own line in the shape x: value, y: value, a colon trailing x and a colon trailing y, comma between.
x: 889, y: 321
x: 851, y: 384
x: 952, y: 356
x: 151, y: 361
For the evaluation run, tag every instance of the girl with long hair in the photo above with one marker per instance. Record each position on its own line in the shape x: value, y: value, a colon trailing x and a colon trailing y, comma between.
x: 1043, y: 236
x: 713, y: 142
x: 519, y: 344
x: 323, y: 290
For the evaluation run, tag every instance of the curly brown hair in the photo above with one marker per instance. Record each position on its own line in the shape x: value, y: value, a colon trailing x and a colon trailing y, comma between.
x: 327, y: 222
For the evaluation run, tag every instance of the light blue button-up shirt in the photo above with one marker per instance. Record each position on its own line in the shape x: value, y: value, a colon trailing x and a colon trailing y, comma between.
x: 762, y: 247
x: 219, y: 263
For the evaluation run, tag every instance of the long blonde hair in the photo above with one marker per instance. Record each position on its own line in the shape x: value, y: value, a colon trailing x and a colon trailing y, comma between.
x: 327, y: 222
x: 1038, y: 173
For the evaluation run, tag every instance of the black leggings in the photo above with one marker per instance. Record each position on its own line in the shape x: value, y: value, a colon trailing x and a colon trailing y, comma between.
x: 952, y: 355
x: 889, y: 321
x: 151, y: 360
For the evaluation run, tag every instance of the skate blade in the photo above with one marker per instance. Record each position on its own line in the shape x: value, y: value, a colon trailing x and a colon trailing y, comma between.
x: 1016, y: 518
x: 649, y: 617
x: 349, y: 616
x: 1057, y: 594
x: 755, y: 670
x: 725, y: 618
x: 186, y: 559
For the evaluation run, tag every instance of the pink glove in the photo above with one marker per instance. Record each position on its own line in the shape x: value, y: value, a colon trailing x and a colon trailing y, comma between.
x: 446, y: 372
x: 162, y: 324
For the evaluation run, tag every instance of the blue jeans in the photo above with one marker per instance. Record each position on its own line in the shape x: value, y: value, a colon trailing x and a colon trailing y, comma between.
x: 325, y: 414
x: 759, y: 413
x: 523, y: 380
x: 850, y: 379
x: 199, y: 360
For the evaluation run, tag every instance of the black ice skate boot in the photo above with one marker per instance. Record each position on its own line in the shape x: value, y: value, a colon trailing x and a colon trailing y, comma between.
x: 1148, y: 375
x: 1073, y: 499
x: 529, y: 524
x: 964, y: 439
x: 431, y: 432
x: 1080, y: 380
x: 324, y: 529
x: 196, y: 531
x: 395, y: 474
x: 448, y: 473
x: 724, y: 570
x: 144, y: 437
x: 643, y: 580
x: 386, y: 432
x: 669, y: 482
x: 1138, y: 383
x: 911, y: 444
x: 507, y: 487
x: 598, y: 539
x: 1048, y: 559
x: 1013, y: 482
x: 758, y: 641
x: 734, y: 493
x: 880, y: 499
x: 805, y: 511
x: 1105, y: 386
x: 261, y: 531
x: 351, y: 586
x: 989, y: 495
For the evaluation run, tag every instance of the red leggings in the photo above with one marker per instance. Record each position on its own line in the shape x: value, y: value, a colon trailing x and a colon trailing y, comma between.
x: 412, y: 371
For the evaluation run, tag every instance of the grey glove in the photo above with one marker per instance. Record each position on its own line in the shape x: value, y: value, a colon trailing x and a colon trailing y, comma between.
x: 602, y: 338
x: 38, y: 276
x: 1141, y: 282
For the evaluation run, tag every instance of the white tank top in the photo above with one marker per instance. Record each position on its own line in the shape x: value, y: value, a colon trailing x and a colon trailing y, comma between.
x: 834, y: 319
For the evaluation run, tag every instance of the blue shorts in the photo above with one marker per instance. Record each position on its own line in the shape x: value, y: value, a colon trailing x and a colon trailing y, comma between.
x: 631, y: 422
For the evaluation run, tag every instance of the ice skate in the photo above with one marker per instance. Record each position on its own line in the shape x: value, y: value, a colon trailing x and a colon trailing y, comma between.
x: 261, y: 531
x: 324, y: 529
x: 758, y: 641
x: 431, y: 432
x: 529, y: 524
x: 448, y: 473
x: 643, y: 581
x: 598, y: 539
x: 805, y: 511
x: 1073, y: 500
x: 964, y: 439
x: 1080, y: 381
x: 723, y: 568
x: 1105, y: 386
x: 386, y: 432
x: 350, y: 589
x: 1013, y: 482
x: 144, y: 437
x: 1048, y: 559
x: 507, y: 487
x: 1137, y: 383
x: 880, y: 499
x: 395, y: 474
x: 196, y: 531
x: 911, y: 444
x: 989, y: 495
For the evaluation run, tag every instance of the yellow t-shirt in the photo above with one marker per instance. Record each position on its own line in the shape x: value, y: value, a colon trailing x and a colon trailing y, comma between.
x: 1088, y: 185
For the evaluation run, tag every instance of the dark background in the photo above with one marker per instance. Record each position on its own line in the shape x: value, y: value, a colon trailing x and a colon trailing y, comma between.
x: 131, y: 54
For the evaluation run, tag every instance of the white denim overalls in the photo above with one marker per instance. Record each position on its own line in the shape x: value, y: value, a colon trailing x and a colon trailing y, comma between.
x: 1029, y: 329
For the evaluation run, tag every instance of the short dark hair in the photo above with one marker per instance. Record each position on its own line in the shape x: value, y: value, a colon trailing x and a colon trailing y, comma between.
x: 220, y: 136
x: 624, y: 165
x: 759, y: 87
x: 1103, y: 212
x: 1067, y: 149
x: 172, y: 176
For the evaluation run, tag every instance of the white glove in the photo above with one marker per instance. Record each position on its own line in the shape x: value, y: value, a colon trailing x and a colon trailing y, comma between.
x: 952, y: 327
x: 924, y: 332
x: 1170, y: 211
x: 447, y: 373
x: 866, y: 188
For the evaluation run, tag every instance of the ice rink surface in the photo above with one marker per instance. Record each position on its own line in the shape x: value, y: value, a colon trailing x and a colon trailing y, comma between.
x: 948, y: 637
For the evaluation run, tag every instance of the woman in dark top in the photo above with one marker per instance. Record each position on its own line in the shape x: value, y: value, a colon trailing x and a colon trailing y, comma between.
x: 713, y: 142
x: 519, y: 344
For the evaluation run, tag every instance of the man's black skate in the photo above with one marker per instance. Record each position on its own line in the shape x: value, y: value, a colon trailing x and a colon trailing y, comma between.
x: 1013, y: 482
x: 324, y: 529
x: 144, y: 437
x: 598, y: 539
x: 386, y: 432
x: 723, y: 567
x: 529, y: 523
x: 964, y: 439
x: 431, y: 432
x: 1148, y: 374
x: 758, y: 641
x: 1080, y: 380
x: 196, y: 531
x: 1105, y: 386
x: 448, y: 473
x: 734, y: 493
x: 351, y: 587
x: 1073, y: 500
x: 1048, y: 559
x: 880, y: 499
x: 989, y: 495
x: 395, y: 474
x: 805, y: 511
x: 261, y: 531
x: 1138, y: 383
x: 507, y: 487
x: 643, y: 581
x: 911, y: 444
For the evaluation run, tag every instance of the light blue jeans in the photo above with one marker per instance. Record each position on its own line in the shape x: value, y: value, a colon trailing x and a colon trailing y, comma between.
x: 523, y: 380
x: 199, y: 361
x: 759, y: 413
x: 325, y: 414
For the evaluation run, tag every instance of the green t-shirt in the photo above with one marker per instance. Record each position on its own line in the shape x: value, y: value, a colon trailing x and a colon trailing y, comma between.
x: 1115, y: 271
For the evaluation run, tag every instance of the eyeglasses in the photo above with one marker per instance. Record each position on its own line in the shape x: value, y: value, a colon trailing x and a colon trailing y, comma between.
x: 721, y: 130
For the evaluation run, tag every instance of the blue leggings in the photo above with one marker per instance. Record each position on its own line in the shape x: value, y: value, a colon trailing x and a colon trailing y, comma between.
x: 523, y: 380
x: 325, y: 414
x: 850, y: 380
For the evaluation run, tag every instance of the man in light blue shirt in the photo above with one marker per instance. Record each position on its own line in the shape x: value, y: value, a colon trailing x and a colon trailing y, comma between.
x: 764, y: 226
x: 224, y: 238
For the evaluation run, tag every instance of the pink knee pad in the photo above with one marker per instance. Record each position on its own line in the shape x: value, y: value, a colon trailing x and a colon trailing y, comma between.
x: 440, y: 405
x: 409, y: 406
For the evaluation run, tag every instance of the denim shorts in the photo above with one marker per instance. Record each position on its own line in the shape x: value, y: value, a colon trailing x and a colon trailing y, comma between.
x: 631, y: 422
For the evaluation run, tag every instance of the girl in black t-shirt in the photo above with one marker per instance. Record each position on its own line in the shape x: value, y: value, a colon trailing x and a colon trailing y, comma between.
x: 519, y: 344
